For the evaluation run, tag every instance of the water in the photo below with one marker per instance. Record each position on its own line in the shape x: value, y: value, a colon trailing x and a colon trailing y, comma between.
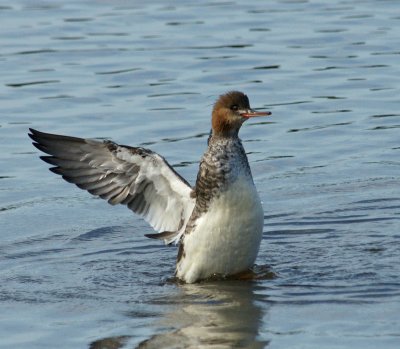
x: 77, y: 273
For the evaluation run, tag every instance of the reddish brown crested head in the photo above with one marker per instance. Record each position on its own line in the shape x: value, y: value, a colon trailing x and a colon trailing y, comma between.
x: 230, y: 111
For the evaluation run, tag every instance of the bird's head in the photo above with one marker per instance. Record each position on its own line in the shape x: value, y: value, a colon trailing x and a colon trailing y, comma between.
x: 230, y: 111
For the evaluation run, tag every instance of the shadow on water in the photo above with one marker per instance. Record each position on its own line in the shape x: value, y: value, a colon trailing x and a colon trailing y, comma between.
x: 207, y: 315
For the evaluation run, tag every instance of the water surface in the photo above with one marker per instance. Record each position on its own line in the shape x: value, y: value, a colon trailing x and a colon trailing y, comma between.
x: 77, y: 273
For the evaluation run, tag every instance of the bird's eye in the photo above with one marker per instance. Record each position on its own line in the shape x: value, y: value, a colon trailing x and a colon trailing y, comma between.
x: 234, y: 107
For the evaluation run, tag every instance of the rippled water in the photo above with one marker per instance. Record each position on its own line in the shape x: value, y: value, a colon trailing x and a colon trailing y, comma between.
x: 77, y: 273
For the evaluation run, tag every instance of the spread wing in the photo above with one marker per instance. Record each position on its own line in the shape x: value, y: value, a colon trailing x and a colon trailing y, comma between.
x: 136, y: 177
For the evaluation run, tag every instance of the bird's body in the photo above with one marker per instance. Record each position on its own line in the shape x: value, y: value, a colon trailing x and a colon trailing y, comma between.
x: 225, y: 228
x: 218, y: 223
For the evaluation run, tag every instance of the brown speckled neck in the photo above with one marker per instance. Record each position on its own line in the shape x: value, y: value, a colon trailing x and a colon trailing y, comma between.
x: 222, y: 164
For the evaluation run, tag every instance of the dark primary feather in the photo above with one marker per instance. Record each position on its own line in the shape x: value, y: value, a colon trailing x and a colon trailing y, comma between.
x: 135, y: 177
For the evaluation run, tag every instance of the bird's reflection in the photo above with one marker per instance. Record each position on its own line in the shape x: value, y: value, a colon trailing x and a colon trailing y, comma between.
x: 210, y: 315
x: 218, y: 314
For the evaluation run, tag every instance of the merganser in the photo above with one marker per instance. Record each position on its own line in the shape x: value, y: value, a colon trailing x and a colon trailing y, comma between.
x: 218, y: 223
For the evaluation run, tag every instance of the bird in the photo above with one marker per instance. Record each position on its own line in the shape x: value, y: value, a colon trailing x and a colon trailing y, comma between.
x: 218, y: 223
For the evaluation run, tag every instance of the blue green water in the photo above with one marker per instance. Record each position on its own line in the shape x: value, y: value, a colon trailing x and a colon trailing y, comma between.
x: 78, y: 273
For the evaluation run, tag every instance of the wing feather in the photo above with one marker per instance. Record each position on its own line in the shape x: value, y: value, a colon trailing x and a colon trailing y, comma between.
x: 136, y: 177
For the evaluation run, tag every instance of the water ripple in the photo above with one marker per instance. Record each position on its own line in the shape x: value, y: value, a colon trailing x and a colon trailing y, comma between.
x: 120, y: 71
x: 42, y: 82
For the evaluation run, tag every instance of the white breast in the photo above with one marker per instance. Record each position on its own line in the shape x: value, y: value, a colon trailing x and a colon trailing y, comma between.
x: 226, y: 239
